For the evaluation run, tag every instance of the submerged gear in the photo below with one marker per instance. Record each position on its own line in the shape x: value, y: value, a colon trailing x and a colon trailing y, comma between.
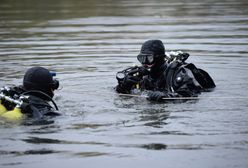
x: 39, y: 78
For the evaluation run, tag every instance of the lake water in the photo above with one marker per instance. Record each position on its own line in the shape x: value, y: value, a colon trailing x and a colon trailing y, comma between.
x: 86, y: 43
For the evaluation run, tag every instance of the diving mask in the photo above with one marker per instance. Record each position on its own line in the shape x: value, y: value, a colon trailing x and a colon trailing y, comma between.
x: 146, y: 58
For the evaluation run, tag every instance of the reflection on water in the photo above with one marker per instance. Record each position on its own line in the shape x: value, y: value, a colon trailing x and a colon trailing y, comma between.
x: 87, y: 42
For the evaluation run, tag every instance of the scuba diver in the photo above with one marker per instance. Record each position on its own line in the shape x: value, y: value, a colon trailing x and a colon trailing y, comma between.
x: 32, y: 98
x: 163, y: 74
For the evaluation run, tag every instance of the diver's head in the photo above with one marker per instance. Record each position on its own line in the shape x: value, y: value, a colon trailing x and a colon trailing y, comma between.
x: 152, y: 53
x: 40, y: 79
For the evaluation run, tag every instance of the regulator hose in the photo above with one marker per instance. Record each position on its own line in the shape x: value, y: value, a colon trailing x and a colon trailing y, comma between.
x: 40, y: 92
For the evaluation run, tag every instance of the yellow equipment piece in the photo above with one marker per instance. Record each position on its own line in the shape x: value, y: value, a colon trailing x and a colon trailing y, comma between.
x: 2, y: 108
x: 13, y: 115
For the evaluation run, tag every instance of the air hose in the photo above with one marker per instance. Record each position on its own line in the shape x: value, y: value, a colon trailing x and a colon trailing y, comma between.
x: 40, y: 92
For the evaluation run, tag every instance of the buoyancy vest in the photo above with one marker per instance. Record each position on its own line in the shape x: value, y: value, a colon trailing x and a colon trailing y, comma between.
x: 184, y: 77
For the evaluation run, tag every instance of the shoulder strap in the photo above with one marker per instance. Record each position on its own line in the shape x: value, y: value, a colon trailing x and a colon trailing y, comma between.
x: 170, y: 73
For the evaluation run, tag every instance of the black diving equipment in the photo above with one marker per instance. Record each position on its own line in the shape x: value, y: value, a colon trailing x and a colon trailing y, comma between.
x: 131, y: 71
x: 176, y: 56
x: 43, y: 94
x: 55, y: 83
x: 146, y: 59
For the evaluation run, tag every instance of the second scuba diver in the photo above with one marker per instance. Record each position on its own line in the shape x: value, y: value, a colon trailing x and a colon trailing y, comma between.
x: 163, y: 75
x: 32, y: 98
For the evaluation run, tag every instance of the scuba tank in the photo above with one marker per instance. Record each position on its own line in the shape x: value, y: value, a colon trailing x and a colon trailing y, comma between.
x: 2, y: 108
x: 14, y: 114
x: 15, y: 109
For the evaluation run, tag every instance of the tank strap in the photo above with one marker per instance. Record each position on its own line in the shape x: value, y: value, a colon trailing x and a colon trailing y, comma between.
x: 170, y: 73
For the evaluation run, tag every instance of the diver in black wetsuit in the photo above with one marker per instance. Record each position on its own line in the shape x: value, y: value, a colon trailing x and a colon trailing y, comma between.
x: 162, y: 75
x: 38, y: 88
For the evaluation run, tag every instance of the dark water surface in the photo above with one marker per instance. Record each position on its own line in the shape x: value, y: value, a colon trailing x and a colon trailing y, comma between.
x: 86, y: 43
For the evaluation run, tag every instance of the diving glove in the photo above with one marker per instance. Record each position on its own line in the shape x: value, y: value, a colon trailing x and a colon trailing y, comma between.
x: 158, y: 95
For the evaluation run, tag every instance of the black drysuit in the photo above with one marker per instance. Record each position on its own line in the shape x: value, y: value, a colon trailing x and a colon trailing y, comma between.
x: 174, y: 79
